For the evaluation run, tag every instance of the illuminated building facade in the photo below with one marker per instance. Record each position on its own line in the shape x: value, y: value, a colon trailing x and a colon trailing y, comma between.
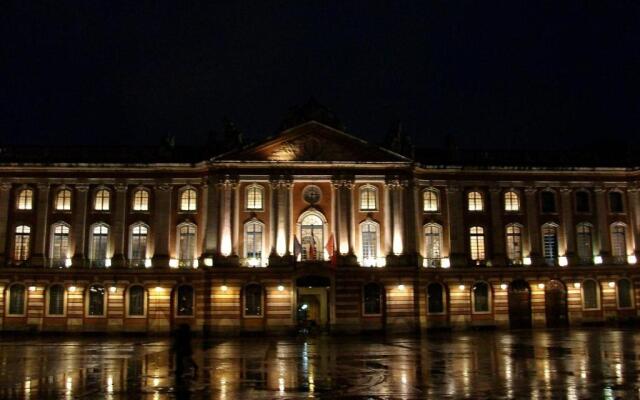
x: 311, y: 224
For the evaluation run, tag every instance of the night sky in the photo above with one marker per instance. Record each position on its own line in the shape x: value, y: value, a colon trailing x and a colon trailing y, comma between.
x: 493, y: 75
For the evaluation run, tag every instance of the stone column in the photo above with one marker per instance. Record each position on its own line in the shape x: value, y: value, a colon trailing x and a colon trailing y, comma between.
x: 396, y: 187
x: 634, y: 217
x: 603, y: 225
x: 212, y: 221
x: 273, y: 185
x: 5, y: 197
x: 38, y: 258
x: 567, y: 228
x: 203, y: 210
x: 457, y: 255
x: 79, y: 229
x: 162, y: 224
x: 409, y: 216
x: 227, y: 187
x: 119, y: 259
x: 533, y: 227
x: 497, y: 227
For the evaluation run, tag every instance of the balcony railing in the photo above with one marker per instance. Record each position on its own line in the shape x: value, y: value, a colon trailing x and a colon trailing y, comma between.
x: 432, y: 262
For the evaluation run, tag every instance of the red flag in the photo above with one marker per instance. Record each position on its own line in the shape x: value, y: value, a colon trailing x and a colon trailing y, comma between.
x: 297, y: 248
x: 331, y: 249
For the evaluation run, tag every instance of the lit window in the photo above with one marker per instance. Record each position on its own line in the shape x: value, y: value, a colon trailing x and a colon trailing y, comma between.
x: 481, y: 302
x: 616, y: 204
x: 59, y: 244
x: 368, y: 198
x: 184, y: 303
x: 372, y: 300
x: 253, y: 240
x: 430, y: 201
x: 25, y: 199
x: 435, y: 298
x: 17, y: 298
x: 63, y: 200
x: 514, y: 243
x: 474, y: 201
x: 98, y: 245
x: 583, y: 202
x: 476, y: 241
x: 433, y: 244
x: 141, y: 200
x: 96, y: 304
x: 56, y: 300
x: 186, y: 244
x: 548, y: 200
x: 590, y: 295
x: 511, y: 202
x: 102, y: 200
x: 136, y: 301
x: 618, y: 242
x: 624, y: 288
x: 188, y: 200
x: 369, y: 231
x: 584, y: 238
x: 253, y: 300
x: 312, y: 237
x: 550, y: 243
x: 255, y: 197
x: 22, y: 245
x: 138, y: 244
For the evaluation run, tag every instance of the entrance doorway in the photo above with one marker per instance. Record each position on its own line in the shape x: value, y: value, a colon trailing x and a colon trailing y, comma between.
x: 519, y: 304
x: 555, y: 299
x: 312, y: 308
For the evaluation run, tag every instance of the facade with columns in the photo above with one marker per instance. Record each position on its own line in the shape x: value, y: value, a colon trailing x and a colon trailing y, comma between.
x: 314, y: 227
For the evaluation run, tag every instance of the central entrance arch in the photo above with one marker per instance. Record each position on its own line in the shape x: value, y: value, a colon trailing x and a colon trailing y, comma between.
x: 519, y: 304
x: 555, y: 304
x: 313, y: 302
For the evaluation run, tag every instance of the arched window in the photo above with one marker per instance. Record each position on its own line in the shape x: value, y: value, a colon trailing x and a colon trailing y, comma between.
x: 514, y: 243
x: 372, y: 299
x: 475, y: 201
x: 22, y: 243
x: 590, y: 295
x: 255, y: 197
x: 368, y: 198
x: 511, y: 201
x: 63, y: 200
x: 435, y: 298
x: 96, y: 301
x: 616, y: 202
x: 135, y: 307
x: 253, y: 300
x: 583, y: 201
x: 619, y: 242
x: 253, y: 242
x: 548, y: 201
x: 98, y: 245
x: 481, y: 299
x: 476, y: 243
x: 138, y: 244
x: 140, y: 200
x: 624, y: 289
x: 550, y: 243
x: 56, y: 300
x: 17, y: 299
x: 102, y: 198
x: 59, y: 244
x: 188, y: 200
x: 584, y: 245
x: 369, y: 234
x: 25, y: 199
x: 312, y: 237
x: 184, y: 301
x: 430, y: 200
x: 186, y: 244
x: 433, y: 245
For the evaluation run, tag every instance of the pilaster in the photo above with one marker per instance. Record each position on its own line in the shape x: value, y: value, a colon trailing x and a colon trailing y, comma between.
x: 119, y: 214
x: 5, y: 197
x: 162, y: 224
x: 533, y: 227
x: 497, y: 227
x: 80, y: 224
x: 39, y: 246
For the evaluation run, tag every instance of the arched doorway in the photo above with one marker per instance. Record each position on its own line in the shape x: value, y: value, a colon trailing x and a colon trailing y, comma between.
x: 555, y: 299
x: 312, y: 227
x: 312, y: 305
x: 519, y: 304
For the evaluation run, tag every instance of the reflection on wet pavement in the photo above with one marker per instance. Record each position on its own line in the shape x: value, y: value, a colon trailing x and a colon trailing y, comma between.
x: 567, y: 364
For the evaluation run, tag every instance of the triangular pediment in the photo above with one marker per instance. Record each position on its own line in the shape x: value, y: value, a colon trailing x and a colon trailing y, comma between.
x: 313, y: 142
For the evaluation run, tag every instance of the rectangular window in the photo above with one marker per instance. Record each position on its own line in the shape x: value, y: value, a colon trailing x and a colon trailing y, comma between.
x: 476, y: 240
x: 514, y: 244
x: 56, y: 300
x: 550, y: 244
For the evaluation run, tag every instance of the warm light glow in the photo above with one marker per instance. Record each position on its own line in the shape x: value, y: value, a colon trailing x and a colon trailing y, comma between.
x: 370, y: 262
x: 32, y: 288
x: 196, y: 264
x: 147, y: 263
x: 224, y: 288
x: 540, y: 285
x: 208, y: 262
x: 281, y: 245
x: 173, y: 263
x: 445, y: 262
x: 107, y: 262
x: 397, y: 244
x: 597, y: 260
x: 159, y: 289
x: 503, y: 286
x: 461, y: 287
x: 72, y: 288
x: 225, y: 245
x: 612, y: 284
x: 253, y: 262
x: 576, y: 285
x: 401, y: 287
x: 280, y: 288
x: 563, y: 261
x: 112, y: 289
x: 526, y: 261
x: 632, y: 259
x: 68, y: 262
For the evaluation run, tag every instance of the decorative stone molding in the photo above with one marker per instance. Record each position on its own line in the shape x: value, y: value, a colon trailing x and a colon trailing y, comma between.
x: 82, y: 187
x: 280, y: 181
x: 228, y: 181
x: 395, y: 182
x: 4, y: 186
x: 120, y: 187
x: 163, y: 187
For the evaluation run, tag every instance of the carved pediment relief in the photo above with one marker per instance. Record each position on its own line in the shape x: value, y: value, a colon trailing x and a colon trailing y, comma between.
x: 308, y: 148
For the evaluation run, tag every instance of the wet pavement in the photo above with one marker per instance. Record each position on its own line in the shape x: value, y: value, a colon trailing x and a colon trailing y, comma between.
x: 539, y: 364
